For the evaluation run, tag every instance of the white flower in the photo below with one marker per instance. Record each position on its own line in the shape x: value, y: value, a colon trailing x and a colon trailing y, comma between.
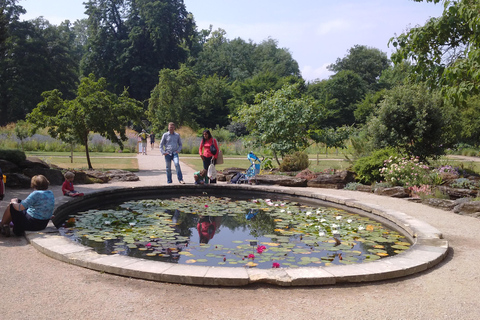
x: 308, y: 213
x: 132, y: 223
x: 338, y: 217
x: 282, y: 210
x: 334, y: 226
x: 289, y: 211
x: 323, y: 220
x: 107, y: 222
x: 361, y: 228
x: 321, y: 234
x: 349, y: 220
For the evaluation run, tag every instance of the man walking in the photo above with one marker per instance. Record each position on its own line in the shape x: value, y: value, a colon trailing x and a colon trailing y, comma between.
x: 170, y: 146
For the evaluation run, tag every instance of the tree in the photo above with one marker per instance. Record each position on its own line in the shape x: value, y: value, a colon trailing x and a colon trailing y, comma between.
x: 130, y: 41
x: 94, y: 109
x: 174, y: 98
x: 212, y: 109
x: 412, y: 120
x: 279, y: 119
x: 367, y: 62
x: 445, y: 52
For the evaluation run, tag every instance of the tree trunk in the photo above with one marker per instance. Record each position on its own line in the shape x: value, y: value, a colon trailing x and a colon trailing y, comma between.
x: 88, y: 154
x: 276, y: 158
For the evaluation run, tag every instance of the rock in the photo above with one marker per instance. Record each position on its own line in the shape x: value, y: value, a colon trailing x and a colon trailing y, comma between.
x: 80, y: 177
x: 281, y: 180
x: 34, y: 162
x: 232, y: 171
x: 440, y: 203
x: 97, y: 176
x: 9, y: 167
x: 455, y: 193
x: 394, y: 192
x: 364, y: 188
x: 334, y: 181
x: 471, y: 208
x: 17, y: 180
x: 53, y: 175
x: 307, y: 175
x: 121, y: 175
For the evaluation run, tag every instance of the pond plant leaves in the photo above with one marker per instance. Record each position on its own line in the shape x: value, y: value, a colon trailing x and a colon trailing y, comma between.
x: 170, y: 230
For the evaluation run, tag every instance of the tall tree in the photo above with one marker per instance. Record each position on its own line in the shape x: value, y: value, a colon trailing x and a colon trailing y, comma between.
x: 367, y: 62
x: 446, y: 50
x: 94, y: 109
x: 130, y: 41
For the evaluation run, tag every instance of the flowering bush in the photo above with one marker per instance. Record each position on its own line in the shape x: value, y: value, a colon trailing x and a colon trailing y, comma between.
x: 408, y: 172
x: 421, y: 191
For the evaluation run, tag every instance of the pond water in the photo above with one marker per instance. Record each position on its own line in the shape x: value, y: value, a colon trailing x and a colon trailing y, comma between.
x: 214, y: 231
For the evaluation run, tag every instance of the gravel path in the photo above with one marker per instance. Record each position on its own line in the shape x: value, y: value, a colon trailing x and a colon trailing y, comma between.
x: 34, y: 286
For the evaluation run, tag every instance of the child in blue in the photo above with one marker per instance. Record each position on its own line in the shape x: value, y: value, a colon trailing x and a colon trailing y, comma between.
x: 31, y: 214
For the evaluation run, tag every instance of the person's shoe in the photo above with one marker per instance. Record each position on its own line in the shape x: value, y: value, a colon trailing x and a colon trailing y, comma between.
x: 182, y: 182
x: 6, y: 230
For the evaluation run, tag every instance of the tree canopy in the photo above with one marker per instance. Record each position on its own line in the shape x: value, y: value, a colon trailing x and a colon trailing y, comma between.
x: 445, y: 52
x: 94, y: 109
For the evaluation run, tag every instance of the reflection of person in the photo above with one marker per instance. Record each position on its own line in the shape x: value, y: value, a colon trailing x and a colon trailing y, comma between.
x: 143, y: 135
x: 206, y: 153
x: 200, y: 177
x: 31, y: 214
x: 67, y: 186
x: 206, y: 227
x: 170, y: 146
x: 152, y: 140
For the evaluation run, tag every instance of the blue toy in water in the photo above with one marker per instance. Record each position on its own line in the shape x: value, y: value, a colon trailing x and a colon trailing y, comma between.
x: 251, y: 214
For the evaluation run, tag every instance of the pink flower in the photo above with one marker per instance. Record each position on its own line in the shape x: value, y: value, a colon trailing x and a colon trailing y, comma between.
x: 206, y: 206
x: 260, y: 249
x: 148, y: 245
x: 276, y: 265
x: 251, y: 256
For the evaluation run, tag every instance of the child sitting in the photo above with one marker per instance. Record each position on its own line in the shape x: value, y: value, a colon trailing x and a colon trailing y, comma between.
x: 67, y: 186
x: 201, y: 177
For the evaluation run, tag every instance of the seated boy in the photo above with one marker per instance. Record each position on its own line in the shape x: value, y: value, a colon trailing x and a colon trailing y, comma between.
x: 201, y: 177
x: 67, y: 186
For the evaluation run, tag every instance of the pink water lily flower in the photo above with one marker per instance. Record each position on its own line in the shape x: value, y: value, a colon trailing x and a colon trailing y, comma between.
x: 206, y: 206
x: 260, y: 249
x: 251, y: 256
x: 276, y: 265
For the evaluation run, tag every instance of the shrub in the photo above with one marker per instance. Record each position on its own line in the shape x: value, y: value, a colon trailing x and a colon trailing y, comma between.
x: 463, y: 183
x: 15, y: 156
x: 297, y: 161
x: 352, y: 186
x: 368, y: 168
x: 408, y: 172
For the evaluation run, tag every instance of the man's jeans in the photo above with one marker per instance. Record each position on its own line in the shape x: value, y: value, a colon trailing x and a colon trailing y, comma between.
x: 168, y: 162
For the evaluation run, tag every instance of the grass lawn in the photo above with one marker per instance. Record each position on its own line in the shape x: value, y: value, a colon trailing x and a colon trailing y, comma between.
x: 100, y: 161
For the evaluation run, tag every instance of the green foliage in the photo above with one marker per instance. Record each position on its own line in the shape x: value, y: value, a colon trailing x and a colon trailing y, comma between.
x: 15, y: 156
x: 446, y: 50
x: 413, y: 121
x: 464, y: 183
x: 279, y: 119
x: 94, y: 109
x: 267, y: 163
x: 368, y: 106
x: 367, y: 62
x: 368, y: 168
x: 408, y: 172
x: 352, y: 186
x: 297, y: 161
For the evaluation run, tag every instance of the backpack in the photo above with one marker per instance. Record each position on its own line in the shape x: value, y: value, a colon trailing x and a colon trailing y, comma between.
x: 237, y: 177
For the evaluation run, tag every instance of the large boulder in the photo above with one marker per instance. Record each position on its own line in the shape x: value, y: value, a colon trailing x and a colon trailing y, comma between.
x: 455, y: 193
x: 471, y: 208
x: 121, y: 175
x: 307, y: 175
x: 443, y: 204
x: 394, y: 192
x: 337, y: 180
x: 17, y: 180
x: 53, y: 175
x: 34, y: 162
x: 285, y: 181
x: 9, y: 167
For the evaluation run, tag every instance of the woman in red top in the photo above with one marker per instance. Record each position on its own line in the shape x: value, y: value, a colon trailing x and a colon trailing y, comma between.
x: 205, y: 152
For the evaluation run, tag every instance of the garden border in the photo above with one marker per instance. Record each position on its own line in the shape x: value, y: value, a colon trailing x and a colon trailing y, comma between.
x: 428, y: 248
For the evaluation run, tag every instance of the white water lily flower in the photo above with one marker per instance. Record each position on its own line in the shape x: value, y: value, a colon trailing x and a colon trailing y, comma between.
x: 276, y: 204
x: 282, y: 210
x: 321, y: 234
x: 361, y: 228
x: 107, y: 222
x: 132, y: 223
x: 308, y: 213
x: 289, y: 211
x: 323, y: 220
x: 318, y: 212
x: 334, y: 226
x: 338, y: 217
x: 349, y: 220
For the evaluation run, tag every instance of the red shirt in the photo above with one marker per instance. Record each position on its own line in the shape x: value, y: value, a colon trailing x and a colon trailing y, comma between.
x: 206, y: 148
x: 67, y: 186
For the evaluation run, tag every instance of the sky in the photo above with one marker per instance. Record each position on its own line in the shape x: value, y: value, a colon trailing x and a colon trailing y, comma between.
x: 316, y: 32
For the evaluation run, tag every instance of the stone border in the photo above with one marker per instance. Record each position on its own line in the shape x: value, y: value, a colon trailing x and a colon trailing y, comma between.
x: 428, y: 248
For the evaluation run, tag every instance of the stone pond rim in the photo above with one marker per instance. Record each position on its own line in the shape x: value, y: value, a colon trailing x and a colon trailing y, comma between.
x: 427, y: 250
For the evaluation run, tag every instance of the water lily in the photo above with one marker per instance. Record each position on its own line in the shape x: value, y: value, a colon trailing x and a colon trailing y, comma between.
x: 206, y: 206
x: 308, y: 213
x: 107, y: 222
x: 323, y: 220
x: 321, y: 234
x: 260, y: 249
x: 349, y: 220
x: 338, y: 217
x: 283, y: 210
x: 361, y: 228
x: 251, y: 256
x: 132, y: 224
x: 276, y: 265
x: 334, y: 226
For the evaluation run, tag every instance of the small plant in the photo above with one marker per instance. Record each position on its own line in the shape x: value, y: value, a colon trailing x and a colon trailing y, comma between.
x: 422, y: 191
x: 267, y: 164
x: 368, y: 168
x: 463, y: 183
x: 383, y: 185
x: 352, y: 186
x: 297, y: 161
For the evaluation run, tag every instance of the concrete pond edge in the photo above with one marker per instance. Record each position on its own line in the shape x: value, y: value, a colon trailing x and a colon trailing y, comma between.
x: 428, y: 248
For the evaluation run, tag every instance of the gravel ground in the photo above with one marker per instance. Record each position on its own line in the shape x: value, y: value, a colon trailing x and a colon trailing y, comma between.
x: 52, y: 289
